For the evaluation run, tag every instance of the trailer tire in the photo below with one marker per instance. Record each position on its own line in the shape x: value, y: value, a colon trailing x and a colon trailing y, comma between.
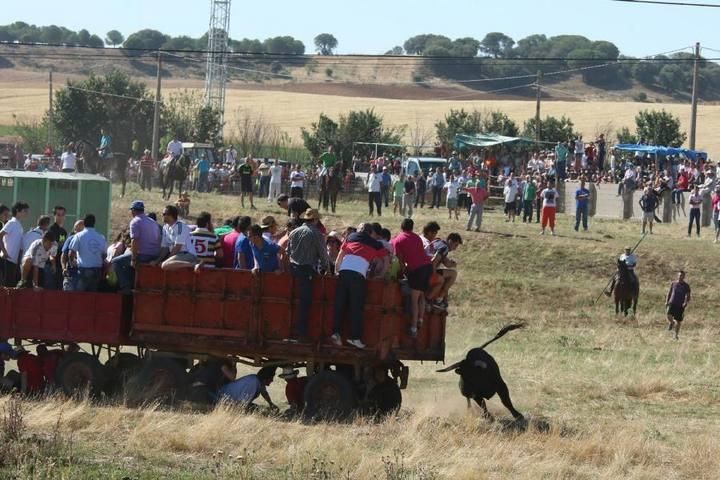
x: 119, y: 369
x: 329, y: 396
x: 78, y: 372
x: 385, y: 398
x: 163, y: 379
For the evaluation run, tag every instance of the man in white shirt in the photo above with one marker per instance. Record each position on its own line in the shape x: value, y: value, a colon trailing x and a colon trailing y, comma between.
x: 10, y: 244
x: 549, y: 206
x: 177, y: 240
x: 175, y: 148
x: 39, y: 253
x: 297, y: 182
x: 275, y: 181
x: 43, y: 224
x: 579, y: 152
x: 231, y: 155
x: 510, y: 193
x: 69, y: 159
x: 373, y: 184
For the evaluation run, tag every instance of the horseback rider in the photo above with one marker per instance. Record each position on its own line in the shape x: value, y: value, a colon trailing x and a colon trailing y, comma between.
x: 105, y: 148
x: 630, y: 261
x: 328, y: 160
x: 175, y: 148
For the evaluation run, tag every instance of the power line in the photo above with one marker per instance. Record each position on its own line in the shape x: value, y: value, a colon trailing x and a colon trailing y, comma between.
x: 138, y: 99
x: 677, y: 4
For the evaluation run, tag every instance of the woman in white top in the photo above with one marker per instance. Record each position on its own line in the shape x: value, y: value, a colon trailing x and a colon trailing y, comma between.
x: 453, y: 187
x: 68, y: 159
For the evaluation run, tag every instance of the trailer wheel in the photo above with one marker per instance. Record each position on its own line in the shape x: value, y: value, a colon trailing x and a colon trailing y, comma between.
x: 386, y: 397
x: 119, y: 369
x: 329, y: 396
x: 78, y: 372
x: 163, y: 379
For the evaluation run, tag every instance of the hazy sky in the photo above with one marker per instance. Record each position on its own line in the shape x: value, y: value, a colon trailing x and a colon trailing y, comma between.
x: 373, y: 26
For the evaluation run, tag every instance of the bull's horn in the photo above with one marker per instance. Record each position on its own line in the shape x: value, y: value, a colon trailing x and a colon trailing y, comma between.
x: 451, y: 367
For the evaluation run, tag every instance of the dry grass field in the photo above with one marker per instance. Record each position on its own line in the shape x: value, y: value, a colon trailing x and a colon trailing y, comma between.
x: 27, y: 98
x: 622, y: 399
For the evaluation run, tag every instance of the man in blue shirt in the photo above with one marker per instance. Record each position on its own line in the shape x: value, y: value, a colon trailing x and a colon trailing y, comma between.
x: 437, y: 182
x: 244, y: 259
x: 385, y: 183
x: 265, y: 254
x: 88, y: 249
x: 203, y: 168
x: 582, y: 200
x: 454, y: 163
x: 105, y: 144
x: 246, y: 389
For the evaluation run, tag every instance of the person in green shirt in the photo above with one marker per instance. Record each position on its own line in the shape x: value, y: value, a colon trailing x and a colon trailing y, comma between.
x: 398, y: 189
x: 528, y: 197
x: 470, y: 183
x: 327, y: 159
x: 561, y: 154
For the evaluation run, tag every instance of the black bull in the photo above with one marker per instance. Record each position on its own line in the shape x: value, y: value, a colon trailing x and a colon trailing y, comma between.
x: 480, y: 377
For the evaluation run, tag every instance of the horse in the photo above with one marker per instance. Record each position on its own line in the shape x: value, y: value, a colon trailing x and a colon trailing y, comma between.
x: 88, y: 159
x: 120, y: 169
x: 173, y: 170
x: 626, y: 290
x: 330, y: 185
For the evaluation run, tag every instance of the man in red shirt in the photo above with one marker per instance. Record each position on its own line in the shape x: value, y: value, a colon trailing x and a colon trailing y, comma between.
x: 352, y: 264
x: 418, y: 269
x: 31, y: 373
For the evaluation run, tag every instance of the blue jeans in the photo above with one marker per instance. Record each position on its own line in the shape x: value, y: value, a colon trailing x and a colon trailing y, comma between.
x: 351, y: 292
x: 124, y: 272
x: 70, y: 282
x: 303, y: 276
x: 581, y: 213
x: 88, y: 279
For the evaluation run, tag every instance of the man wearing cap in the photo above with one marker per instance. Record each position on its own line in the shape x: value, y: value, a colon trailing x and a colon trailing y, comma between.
x: 294, y: 389
x: 147, y: 168
x: 145, y: 239
x: 307, y: 252
x: 269, y: 228
x: 631, y: 262
x: 352, y: 265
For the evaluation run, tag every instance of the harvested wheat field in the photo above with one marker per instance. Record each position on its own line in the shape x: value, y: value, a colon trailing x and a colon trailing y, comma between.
x: 292, y: 108
x: 606, y: 398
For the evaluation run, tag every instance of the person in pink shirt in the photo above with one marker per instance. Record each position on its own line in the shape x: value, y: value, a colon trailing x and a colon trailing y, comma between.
x: 229, y: 240
x: 418, y: 269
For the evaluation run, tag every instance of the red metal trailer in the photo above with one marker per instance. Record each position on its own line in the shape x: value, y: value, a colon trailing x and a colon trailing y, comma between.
x: 177, y: 318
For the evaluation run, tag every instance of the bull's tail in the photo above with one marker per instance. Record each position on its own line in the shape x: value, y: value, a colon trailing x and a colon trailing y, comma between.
x: 451, y: 367
x: 502, y: 332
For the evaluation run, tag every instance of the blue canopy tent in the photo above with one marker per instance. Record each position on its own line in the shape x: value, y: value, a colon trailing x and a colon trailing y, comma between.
x: 659, y: 150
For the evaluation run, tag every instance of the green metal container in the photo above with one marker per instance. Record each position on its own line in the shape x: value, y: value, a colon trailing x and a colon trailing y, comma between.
x: 79, y: 193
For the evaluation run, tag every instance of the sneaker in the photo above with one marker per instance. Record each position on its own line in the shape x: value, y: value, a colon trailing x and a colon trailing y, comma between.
x: 413, y: 332
x: 356, y: 342
x: 336, y: 340
x: 670, y: 327
x: 290, y: 340
x: 542, y: 232
x: 552, y: 234
x: 438, y: 305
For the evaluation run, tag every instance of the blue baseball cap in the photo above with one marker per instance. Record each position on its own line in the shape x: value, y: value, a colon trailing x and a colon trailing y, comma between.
x: 7, y: 349
x: 137, y: 205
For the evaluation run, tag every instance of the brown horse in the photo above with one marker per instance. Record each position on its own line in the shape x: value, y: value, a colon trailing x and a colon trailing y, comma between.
x: 171, y: 171
x: 330, y: 185
x: 626, y: 291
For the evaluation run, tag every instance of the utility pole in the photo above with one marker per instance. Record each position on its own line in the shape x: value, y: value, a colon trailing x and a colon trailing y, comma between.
x: 693, y: 109
x: 50, y: 109
x: 537, y: 107
x: 156, y: 117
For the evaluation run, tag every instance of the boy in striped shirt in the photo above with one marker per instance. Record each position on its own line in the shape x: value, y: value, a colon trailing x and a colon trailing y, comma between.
x: 206, y: 243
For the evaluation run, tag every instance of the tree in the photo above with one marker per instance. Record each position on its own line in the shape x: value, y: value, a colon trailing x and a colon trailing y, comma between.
x: 458, y: 121
x: 646, y: 72
x: 114, y: 38
x: 52, y: 34
x: 114, y: 101
x: 284, y: 44
x: 325, y: 43
x: 624, y: 135
x: 185, y: 114
x: 552, y: 129
x: 147, y: 39
x: 659, y: 128
x: 250, y: 132
x: 396, y: 50
x: 465, y: 47
x: 673, y: 78
x: 496, y: 44
x: 356, y: 126
x: 498, y: 122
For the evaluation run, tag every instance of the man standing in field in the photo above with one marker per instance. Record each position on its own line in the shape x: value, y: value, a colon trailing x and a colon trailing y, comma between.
x: 246, y: 172
x: 648, y: 203
x: 582, y: 199
x: 549, y: 206
x: 275, y: 180
x: 677, y: 300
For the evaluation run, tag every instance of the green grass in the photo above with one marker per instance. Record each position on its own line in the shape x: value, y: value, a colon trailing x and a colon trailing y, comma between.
x: 7, y: 130
x: 623, y: 399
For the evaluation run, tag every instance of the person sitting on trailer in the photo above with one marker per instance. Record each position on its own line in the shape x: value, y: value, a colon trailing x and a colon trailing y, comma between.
x: 265, y: 252
x: 145, y: 240
x: 33, y: 264
x: 246, y: 389
x: 294, y: 390
x: 176, y: 239
x: 207, y: 246
x: 209, y: 376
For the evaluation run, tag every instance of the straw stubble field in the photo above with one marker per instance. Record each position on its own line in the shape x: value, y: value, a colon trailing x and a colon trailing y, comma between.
x: 292, y: 110
x: 622, y: 399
